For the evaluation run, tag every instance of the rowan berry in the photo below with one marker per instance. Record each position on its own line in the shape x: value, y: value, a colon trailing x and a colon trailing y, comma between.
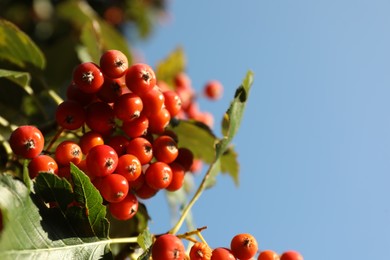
x: 42, y: 163
x: 213, y: 90
x: 73, y: 92
x: 200, y: 251
x: 137, y: 127
x: 113, y: 63
x: 119, y: 143
x: 291, y: 255
x: 27, y: 141
x: 89, y: 140
x: 141, y: 148
x: 153, y: 101
x: 172, y: 102
x: 100, y: 118
x: 125, y: 209
x: 165, y: 149
x: 243, y: 246
x: 158, y: 175
x: 185, y: 157
x: 178, y: 174
x: 88, y: 77
x: 140, y: 78
x: 111, y: 90
x: 128, y: 107
x: 101, y: 160
x: 113, y: 187
x: 145, y: 191
x: 68, y: 151
x: 70, y: 115
x: 159, y: 121
x: 268, y: 255
x: 129, y: 166
x: 168, y: 247
x: 221, y: 253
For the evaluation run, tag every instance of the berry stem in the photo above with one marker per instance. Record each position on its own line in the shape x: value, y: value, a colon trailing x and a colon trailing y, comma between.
x: 54, y: 138
x: 123, y: 240
x: 196, y: 196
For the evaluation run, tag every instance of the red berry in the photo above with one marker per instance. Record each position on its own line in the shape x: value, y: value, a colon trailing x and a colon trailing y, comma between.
x: 128, y: 107
x: 168, y: 247
x: 213, y: 90
x: 141, y: 148
x: 129, y: 166
x: 88, y: 77
x: 27, y: 141
x: 113, y: 188
x: 291, y: 255
x: 221, y: 253
x: 119, y: 143
x: 172, y: 102
x: 200, y: 251
x: 100, y: 118
x: 73, y: 92
x: 153, y: 101
x: 102, y: 160
x: 178, y: 173
x: 159, y: 121
x: 185, y: 158
x: 158, y: 175
x: 243, y: 246
x: 89, y: 140
x: 165, y: 149
x: 111, y: 90
x: 113, y: 63
x: 42, y: 163
x: 140, y: 78
x: 70, y: 115
x: 125, y: 209
x: 268, y: 255
x: 68, y: 151
x: 145, y: 191
x: 137, y: 127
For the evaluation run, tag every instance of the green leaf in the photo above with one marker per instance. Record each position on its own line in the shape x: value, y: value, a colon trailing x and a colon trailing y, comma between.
x: 168, y: 68
x: 96, y: 34
x: 197, y: 137
x: 229, y: 164
x: 20, y: 78
x: 16, y: 47
x: 89, y: 197
x: 145, y: 239
x: 225, y: 157
x: 233, y: 116
x: 32, y: 231
x: 52, y: 188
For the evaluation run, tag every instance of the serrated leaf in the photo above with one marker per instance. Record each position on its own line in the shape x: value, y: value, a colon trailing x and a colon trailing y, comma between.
x: 52, y: 188
x: 146, y: 254
x: 233, y: 116
x: 32, y: 232
x: 16, y: 47
x: 169, y: 67
x: 229, y: 164
x: 225, y: 160
x: 87, y: 195
x: 197, y: 137
x: 145, y: 239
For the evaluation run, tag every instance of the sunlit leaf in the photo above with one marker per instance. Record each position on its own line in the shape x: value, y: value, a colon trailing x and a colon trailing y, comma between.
x: 16, y: 47
x: 145, y: 239
x: 197, y: 137
x: 169, y: 67
x: 33, y: 231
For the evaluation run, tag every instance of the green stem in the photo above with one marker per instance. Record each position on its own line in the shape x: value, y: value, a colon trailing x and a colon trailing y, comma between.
x: 196, y: 196
x: 123, y: 240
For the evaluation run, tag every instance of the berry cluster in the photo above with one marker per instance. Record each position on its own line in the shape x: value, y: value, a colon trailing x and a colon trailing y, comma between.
x: 242, y: 246
x: 122, y: 113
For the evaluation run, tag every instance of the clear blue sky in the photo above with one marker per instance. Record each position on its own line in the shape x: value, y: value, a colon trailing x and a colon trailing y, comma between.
x: 314, y: 145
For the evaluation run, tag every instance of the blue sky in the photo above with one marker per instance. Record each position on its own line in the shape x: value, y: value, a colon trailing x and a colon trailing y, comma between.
x: 314, y: 145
